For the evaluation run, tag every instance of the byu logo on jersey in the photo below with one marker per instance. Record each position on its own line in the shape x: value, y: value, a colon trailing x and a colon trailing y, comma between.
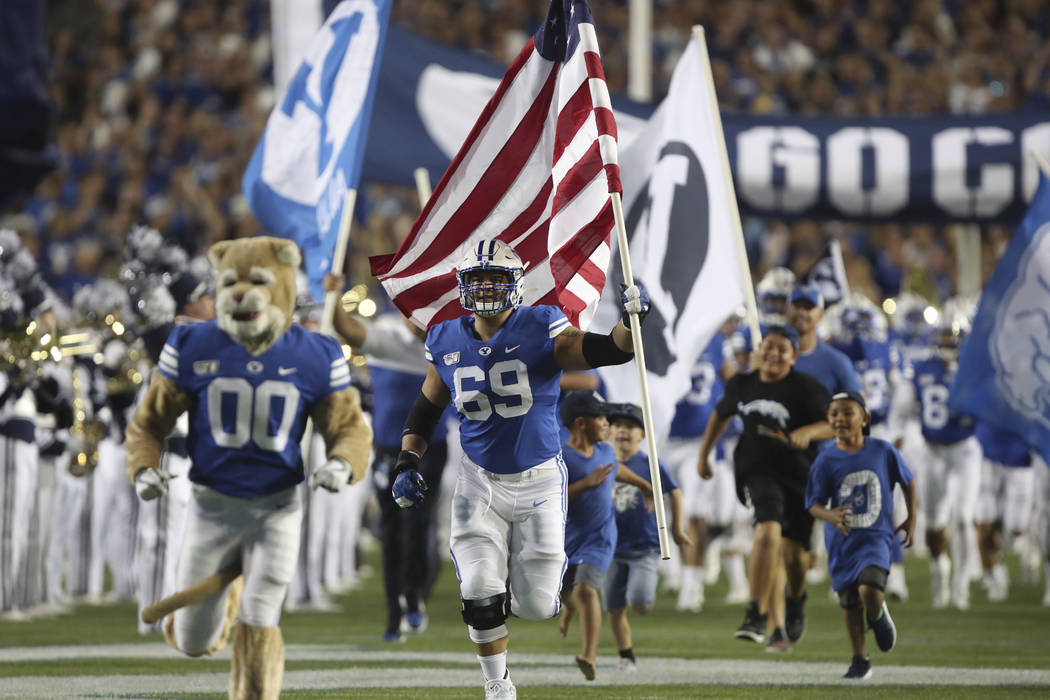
x: 667, y: 227
x: 485, y: 351
x: 324, y: 98
x: 255, y: 367
x: 1020, y: 343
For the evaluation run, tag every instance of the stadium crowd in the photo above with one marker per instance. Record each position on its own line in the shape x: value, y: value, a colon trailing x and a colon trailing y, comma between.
x: 161, y: 103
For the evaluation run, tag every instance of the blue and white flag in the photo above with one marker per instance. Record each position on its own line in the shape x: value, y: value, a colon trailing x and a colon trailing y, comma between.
x: 1004, y: 366
x: 312, y: 149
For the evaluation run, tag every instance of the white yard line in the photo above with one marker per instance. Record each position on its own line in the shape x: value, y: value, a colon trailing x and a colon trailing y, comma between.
x: 462, y: 671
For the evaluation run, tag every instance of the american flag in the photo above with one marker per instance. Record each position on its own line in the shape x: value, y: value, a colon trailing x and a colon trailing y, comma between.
x: 536, y: 172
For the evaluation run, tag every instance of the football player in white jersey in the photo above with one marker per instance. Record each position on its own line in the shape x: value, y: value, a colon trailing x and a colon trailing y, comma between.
x: 501, y: 366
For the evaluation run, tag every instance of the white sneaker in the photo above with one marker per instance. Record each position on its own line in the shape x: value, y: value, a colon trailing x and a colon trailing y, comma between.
x: 940, y: 583
x: 690, y: 598
x: 627, y: 665
x: 738, y: 594
x: 997, y: 583
x: 896, y: 588
x: 502, y: 689
x: 961, y: 596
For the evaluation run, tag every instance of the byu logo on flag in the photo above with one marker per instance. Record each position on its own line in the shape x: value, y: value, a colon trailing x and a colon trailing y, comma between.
x: 1020, y: 345
x: 323, y: 101
x: 670, y: 220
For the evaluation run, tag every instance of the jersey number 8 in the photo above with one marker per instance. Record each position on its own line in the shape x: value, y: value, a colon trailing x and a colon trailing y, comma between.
x: 474, y: 403
x: 252, y: 413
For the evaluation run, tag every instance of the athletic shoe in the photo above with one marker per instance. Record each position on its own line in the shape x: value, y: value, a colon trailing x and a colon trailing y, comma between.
x: 778, y: 642
x: 896, y: 588
x: 884, y: 629
x: 415, y: 622
x: 690, y: 597
x: 627, y: 665
x: 753, y: 628
x: 997, y: 583
x: 961, y: 596
x: 502, y: 689
x: 795, y: 617
x: 393, y: 633
x: 859, y: 668
x: 738, y: 594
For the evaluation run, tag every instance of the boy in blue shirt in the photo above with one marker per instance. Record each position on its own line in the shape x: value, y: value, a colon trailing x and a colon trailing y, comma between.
x: 590, y: 524
x: 632, y: 577
x: 851, y: 487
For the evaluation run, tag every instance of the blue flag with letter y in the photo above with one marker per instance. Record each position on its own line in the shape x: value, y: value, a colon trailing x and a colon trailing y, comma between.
x: 313, y: 146
x: 1004, y: 365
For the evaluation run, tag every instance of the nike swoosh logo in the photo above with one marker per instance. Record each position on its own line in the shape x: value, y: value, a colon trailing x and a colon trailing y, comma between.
x: 537, y: 504
x: 513, y: 348
x: 286, y: 370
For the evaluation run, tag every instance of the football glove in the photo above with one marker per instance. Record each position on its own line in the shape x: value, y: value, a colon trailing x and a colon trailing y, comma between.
x: 634, y: 299
x: 151, y: 483
x: 409, y: 487
x: 332, y: 476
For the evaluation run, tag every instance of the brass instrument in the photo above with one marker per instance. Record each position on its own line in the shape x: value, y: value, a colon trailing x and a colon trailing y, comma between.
x: 85, y: 433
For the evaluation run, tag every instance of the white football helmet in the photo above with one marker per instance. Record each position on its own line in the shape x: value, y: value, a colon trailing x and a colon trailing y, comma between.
x: 486, y: 298
x: 773, y: 292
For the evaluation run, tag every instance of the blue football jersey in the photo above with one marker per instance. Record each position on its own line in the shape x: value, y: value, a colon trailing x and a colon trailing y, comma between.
x: 939, y: 424
x: 590, y: 524
x: 693, y: 411
x: 635, y: 526
x: 873, y: 360
x: 505, y: 390
x: 249, y: 412
x: 865, y: 480
x: 1002, y: 446
x: 829, y: 367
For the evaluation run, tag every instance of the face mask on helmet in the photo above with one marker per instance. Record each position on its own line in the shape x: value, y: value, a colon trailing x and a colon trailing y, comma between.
x: 774, y: 290
x: 489, y: 277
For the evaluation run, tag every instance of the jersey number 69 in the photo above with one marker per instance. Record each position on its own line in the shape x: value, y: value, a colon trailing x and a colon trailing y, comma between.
x: 474, y: 403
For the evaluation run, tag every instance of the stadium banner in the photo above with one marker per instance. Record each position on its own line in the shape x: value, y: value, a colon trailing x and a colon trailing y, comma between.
x: 682, y: 241
x: 535, y: 170
x: 934, y: 169
x: 1004, y: 364
x: 311, y: 152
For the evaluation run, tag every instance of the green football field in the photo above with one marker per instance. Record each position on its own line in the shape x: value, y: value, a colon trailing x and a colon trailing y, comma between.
x: 993, y: 650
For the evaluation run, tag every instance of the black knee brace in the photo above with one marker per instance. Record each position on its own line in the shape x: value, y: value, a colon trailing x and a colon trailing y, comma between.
x: 486, y: 613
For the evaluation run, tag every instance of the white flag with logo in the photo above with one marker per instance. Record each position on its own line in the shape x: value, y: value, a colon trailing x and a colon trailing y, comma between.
x: 681, y: 233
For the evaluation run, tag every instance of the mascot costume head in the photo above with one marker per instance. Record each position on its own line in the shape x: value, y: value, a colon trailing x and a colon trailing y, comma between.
x: 255, y: 289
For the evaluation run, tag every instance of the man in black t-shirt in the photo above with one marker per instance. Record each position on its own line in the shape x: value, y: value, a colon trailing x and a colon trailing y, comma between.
x: 784, y: 419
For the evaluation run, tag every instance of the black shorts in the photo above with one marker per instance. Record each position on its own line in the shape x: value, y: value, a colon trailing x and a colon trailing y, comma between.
x: 874, y: 576
x: 773, y: 501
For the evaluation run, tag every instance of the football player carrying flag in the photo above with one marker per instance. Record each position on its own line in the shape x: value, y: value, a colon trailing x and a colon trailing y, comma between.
x: 546, y: 192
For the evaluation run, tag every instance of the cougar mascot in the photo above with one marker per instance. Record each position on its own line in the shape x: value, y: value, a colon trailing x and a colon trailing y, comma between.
x: 249, y: 380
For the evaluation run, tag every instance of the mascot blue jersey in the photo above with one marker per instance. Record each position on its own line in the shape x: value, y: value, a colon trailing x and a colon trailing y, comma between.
x: 506, y: 389
x: 249, y: 412
x: 939, y: 425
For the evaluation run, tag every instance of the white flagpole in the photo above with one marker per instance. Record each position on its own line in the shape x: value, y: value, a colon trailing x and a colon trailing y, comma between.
x: 1040, y: 161
x: 840, y: 265
x: 422, y: 186
x: 727, y: 175
x: 330, y: 300
x: 338, y: 260
x: 643, y: 380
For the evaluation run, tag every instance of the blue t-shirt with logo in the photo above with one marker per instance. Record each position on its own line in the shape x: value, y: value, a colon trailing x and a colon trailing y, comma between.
x: 635, y: 525
x: 249, y: 411
x: 865, y: 480
x: 505, y: 390
x: 590, y: 525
